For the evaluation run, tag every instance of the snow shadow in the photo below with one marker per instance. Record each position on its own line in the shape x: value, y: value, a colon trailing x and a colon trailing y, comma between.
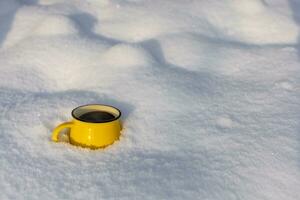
x: 85, y: 24
x: 7, y: 19
x: 295, y: 7
x: 185, y: 78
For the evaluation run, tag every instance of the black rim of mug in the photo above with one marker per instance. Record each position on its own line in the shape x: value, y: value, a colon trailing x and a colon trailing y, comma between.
x: 104, y: 121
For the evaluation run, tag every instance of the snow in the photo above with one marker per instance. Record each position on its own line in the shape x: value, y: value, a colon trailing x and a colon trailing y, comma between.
x: 209, y: 92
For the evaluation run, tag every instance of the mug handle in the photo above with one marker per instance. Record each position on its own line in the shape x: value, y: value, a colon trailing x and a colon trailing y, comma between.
x: 59, y: 128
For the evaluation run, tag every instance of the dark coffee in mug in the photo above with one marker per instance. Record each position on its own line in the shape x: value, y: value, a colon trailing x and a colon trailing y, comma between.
x: 97, y: 116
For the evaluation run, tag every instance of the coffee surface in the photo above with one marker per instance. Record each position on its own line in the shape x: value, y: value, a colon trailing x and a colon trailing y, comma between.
x: 97, y: 116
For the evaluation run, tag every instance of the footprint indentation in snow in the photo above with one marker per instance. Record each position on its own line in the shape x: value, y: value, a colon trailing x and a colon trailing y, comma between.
x: 224, y: 122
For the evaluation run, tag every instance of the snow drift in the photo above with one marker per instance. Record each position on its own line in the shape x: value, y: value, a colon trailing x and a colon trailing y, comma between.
x: 209, y: 92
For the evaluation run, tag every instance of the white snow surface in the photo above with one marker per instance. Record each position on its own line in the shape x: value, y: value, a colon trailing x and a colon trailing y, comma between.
x: 209, y: 91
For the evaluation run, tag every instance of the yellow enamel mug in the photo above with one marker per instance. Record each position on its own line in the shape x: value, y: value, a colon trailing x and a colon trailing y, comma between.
x: 93, y: 126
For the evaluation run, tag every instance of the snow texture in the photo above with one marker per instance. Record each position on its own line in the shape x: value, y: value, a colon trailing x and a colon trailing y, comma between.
x: 209, y: 90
